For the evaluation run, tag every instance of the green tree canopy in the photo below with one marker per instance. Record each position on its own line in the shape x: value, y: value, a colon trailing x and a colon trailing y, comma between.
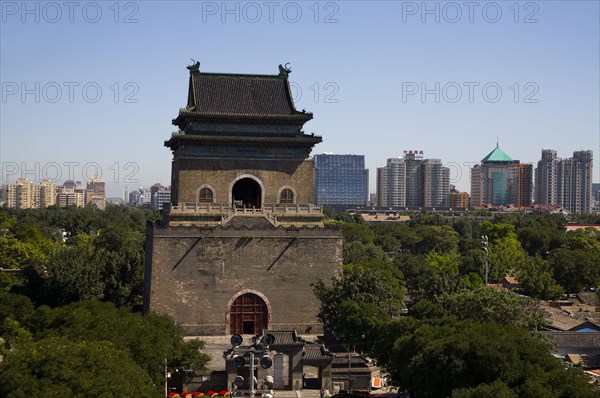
x: 575, y: 269
x: 436, y: 360
x: 58, y: 367
x: 148, y: 339
x: 373, y: 290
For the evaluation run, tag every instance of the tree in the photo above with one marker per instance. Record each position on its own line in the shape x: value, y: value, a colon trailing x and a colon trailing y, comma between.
x: 353, y: 232
x: 8, y: 282
x: 436, y: 360
x: 58, y: 367
x: 445, y: 278
x: 120, y: 252
x: 147, y: 339
x: 15, y: 254
x: 535, y: 240
x: 536, y: 280
x: 357, y: 297
x: 71, y: 273
x: 436, y: 238
x: 357, y: 252
x: 575, y: 269
x: 490, y: 305
x: 417, y: 273
x: 496, y: 389
x: 506, y: 256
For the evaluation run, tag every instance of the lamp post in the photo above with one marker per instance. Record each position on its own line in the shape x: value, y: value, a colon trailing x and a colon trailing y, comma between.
x: 245, y: 356
x: 484, y: 246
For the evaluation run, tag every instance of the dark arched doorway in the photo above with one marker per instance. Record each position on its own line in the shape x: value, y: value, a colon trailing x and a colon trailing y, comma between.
x: 246, y: 193
x: 248, y: 314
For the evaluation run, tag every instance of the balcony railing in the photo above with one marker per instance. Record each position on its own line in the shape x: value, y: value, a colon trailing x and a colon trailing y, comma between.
x: 267, y: 209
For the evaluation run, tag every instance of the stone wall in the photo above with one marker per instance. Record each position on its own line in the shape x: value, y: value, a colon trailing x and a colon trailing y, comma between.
x: 192, y: 273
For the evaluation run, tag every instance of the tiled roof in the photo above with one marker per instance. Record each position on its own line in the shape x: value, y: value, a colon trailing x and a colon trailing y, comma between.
x: 240, y: 94
x: 226, y: 96
x: 341, y: 359
x: 285, y: 337
x: 316, y: 352
x: 576, y: 339
x: 497, y: 155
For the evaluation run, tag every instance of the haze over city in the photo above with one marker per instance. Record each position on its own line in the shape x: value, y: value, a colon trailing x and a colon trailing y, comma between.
x: 91, y: 87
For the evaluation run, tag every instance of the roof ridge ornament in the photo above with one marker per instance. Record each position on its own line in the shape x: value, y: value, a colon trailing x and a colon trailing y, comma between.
x: 195, y: 67
x: 284, y: 70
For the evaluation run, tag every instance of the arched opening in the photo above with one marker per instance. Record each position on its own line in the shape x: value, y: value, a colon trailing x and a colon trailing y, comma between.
x: 286, y: 196
x: 205, y: 195
x: 246, y: 193
x: 248, y: 314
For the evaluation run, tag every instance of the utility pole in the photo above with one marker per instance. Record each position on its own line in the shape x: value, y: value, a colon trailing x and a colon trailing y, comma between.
x: 484, y: 246
x: 166, y: 380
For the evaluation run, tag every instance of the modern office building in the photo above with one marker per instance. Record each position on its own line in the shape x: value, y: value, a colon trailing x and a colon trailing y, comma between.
x: 500, y: 181
x: 341, y: 180
x: 412, y: 181
x: 565, y: 182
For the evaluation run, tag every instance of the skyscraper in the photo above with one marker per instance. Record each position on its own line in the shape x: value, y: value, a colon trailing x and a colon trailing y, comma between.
x: 499, y: 180
x: 566, y: 182
x: 341, y: 180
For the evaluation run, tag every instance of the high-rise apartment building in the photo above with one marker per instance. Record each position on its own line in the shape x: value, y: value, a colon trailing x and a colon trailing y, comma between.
x: 546, y: 178
x: 435, y: 183
x: 24, y: 194
x: 566, y: 182
x: 412, y: 181
x: 47, y: 193
x: 341, y: 180
x: 499, y: 180
x: 459, y: 200
x: 391, y: 183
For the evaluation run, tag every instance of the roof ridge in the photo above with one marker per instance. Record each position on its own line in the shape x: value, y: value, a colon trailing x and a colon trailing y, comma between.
x: 249, y: 75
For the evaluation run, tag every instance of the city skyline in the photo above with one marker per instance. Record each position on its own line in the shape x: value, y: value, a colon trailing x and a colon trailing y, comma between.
x: 446, y: 79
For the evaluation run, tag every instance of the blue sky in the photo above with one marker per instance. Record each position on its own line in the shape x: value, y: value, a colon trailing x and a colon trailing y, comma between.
x: 92, y: 86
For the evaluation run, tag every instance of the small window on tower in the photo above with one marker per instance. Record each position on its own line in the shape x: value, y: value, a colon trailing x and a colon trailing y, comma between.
x: 205, y: 195
x: 286, y: 196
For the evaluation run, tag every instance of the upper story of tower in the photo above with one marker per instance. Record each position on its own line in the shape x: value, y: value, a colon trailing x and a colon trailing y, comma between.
x: 232, y: 115
x: 240, y: 150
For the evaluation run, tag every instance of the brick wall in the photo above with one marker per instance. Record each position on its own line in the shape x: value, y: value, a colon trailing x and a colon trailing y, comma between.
x: 189, y: 174
x: 192, y: 273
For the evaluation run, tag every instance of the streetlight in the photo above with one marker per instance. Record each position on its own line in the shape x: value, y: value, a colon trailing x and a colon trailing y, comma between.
x: 246, y: 356
x: 484, y: 246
